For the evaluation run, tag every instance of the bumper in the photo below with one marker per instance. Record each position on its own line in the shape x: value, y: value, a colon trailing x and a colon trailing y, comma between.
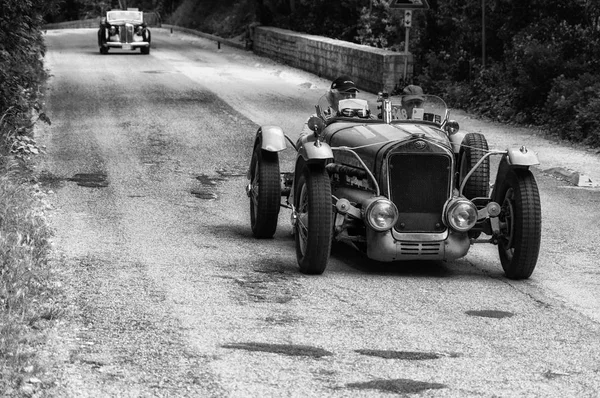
x: 382, y: 246
x: 127, y: 46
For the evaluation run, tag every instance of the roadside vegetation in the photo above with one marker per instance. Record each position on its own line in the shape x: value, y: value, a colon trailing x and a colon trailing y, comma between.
x: 25, y: 286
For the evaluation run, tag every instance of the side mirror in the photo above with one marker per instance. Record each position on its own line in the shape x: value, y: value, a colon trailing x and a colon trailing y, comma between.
x: 316, y: 124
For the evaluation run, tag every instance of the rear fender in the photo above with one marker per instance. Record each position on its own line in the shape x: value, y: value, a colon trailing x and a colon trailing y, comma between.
x: 270, y: 138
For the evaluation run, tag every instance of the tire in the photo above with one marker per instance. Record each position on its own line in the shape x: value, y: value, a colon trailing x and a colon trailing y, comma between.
x: 265, y: 193
x: 520, y: 224
x: 102, y: 40
x: 474, y: 146
x: 147, y: 37
x: 313, y: 227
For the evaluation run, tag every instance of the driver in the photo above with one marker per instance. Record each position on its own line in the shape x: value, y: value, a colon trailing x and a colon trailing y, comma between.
x: 412, y: 98
x: 341, y: 88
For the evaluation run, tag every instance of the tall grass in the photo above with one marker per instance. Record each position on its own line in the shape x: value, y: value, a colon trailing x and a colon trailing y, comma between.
x: 24, y: 248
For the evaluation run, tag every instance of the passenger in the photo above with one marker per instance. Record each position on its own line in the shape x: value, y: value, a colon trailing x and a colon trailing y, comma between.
x: 412, y: 98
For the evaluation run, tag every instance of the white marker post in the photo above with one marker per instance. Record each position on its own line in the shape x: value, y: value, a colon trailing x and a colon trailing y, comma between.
x: 407, y: 25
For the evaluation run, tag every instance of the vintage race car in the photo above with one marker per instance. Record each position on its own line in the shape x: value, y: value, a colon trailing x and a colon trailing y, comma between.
x: 396, y: 187
x: 124, y: 29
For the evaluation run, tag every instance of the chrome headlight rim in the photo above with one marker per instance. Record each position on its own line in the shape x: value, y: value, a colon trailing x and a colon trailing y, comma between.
x: 373, y: 207
x: 457, y: 205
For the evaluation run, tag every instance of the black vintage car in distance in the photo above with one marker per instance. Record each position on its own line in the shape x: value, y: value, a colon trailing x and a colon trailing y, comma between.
x: 124, y: 29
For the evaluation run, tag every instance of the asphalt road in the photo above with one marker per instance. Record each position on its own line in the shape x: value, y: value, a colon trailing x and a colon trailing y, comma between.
x: 168, y: 294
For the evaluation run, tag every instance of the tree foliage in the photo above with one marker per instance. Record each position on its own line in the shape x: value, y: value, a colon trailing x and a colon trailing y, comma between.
x: 70, y: 10
x: 21, y: 63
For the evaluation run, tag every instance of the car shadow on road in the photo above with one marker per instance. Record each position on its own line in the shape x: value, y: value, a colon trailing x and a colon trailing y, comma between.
x: 359, y: 262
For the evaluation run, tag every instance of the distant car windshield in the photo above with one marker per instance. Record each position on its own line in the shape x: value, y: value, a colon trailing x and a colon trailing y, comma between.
x: 129, y: 16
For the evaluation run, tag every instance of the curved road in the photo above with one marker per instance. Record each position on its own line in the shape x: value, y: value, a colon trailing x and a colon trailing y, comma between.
x: 168, y: 294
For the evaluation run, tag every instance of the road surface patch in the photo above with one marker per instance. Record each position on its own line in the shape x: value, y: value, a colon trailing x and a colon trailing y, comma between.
x: 406, y: 355
x: 285, y: 349
x: 90, y: 180
x: 399, y: 386
x: 490, y: 314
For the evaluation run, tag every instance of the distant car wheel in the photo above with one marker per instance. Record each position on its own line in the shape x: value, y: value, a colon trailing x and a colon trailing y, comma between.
x: 265, y: 192
x: 313, y: 225
x: 103, y: 50
x: 474, y: 146
x: 520, y: 224
x: 146, y: 36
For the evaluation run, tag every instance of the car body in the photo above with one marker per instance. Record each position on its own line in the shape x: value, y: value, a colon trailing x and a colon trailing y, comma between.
x: 124, y: 29
x: 396, y: 187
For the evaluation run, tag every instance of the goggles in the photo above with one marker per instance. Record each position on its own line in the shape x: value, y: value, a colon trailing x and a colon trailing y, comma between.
x: 349, y: 112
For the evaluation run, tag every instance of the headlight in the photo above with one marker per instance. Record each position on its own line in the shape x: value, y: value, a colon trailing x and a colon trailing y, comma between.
x: 381, y: 215
x: 461, y: 215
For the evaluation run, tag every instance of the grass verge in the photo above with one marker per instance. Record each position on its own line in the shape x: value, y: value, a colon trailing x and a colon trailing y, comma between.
x: 25, y: 287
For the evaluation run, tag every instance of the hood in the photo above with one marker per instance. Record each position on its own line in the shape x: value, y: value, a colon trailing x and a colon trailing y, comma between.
x: 369, y: 139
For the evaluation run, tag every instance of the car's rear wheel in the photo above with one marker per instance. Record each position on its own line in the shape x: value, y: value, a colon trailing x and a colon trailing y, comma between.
x: 145, y: 50
x: 103, y: 50
x: 264, y: 192
x: 313, y: 225
x: 520, y: 224
x: 474, y: 146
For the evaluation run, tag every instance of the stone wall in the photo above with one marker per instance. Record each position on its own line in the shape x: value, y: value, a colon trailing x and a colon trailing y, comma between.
x: 373, y: 69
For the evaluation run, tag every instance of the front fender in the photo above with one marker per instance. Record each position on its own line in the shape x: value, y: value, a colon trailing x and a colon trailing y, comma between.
x: 512, y: 159
x: 271, y: 138
x: 522, y: 157
x: 312, y: 150
x: 456, y: 139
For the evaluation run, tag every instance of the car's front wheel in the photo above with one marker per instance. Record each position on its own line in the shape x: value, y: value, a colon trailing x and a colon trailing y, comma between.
x: 313, y: 227
x: 520, y: 224
x: 264, y: 192
x: 146, y: 37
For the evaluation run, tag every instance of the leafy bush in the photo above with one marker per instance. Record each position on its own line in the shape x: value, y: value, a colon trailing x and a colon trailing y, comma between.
x: 21, y: 63
x: 378, y: 26
x: 573, y: 107
x: 24, y: 244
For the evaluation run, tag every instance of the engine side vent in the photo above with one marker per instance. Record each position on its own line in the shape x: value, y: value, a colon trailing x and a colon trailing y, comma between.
x: 417, y: 249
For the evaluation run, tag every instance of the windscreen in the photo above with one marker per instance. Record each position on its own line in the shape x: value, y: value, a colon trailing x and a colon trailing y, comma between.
x: 128, y: 16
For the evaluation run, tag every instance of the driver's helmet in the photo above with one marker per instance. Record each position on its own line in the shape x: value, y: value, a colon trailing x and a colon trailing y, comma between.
x: 412, y: 95
x: 341, y: 88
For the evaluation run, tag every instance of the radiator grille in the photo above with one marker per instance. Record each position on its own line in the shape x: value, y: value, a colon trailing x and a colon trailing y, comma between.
x: 419, y: 187
x: 126, y: 33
